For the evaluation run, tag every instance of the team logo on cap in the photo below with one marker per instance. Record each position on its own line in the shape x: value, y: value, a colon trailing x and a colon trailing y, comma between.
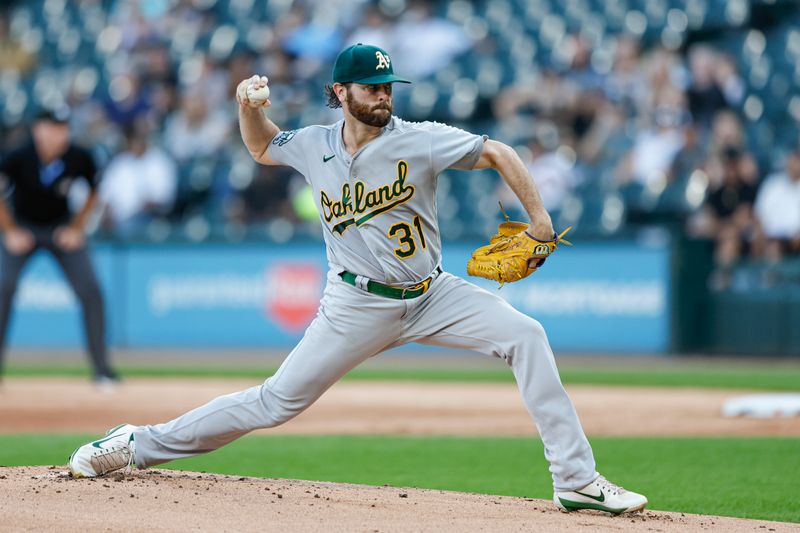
x: 383, y: 60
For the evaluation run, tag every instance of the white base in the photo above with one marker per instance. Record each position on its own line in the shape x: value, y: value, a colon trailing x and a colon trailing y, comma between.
x: 763, y: 405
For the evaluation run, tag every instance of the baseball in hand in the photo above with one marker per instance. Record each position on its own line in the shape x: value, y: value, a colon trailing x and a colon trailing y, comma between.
x: 258, y: 95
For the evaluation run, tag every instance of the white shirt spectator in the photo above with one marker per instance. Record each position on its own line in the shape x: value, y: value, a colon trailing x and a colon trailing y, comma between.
x: 132, y: 184
x: 653, y: 153
x: 778, y: 206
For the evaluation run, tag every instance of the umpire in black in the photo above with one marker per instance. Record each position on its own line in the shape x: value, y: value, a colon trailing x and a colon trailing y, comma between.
x: 37, y: 178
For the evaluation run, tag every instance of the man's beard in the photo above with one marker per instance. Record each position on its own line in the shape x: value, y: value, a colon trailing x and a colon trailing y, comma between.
x: 367, y: 114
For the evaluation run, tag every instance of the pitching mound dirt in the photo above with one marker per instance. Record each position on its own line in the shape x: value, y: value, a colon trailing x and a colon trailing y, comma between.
x: 45, y: 499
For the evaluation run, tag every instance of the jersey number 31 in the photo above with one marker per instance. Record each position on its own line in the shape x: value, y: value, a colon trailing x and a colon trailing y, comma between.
x: 405, y: 237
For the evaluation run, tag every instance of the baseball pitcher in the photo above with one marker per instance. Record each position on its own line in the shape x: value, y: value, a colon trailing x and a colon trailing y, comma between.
x: 374, y: 179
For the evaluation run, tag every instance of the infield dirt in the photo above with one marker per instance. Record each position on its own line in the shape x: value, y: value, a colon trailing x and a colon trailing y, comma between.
x: 70, y: 405
x: 45, y: 499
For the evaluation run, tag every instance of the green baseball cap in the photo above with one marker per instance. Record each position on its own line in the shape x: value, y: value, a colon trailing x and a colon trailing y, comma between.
x: 364, y: 63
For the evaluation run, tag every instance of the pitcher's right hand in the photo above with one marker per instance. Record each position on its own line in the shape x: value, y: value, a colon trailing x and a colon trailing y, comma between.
x: 241, y: 92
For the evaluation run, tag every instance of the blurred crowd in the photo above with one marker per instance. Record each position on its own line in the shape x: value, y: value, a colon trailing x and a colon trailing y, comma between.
x: 621, y: 127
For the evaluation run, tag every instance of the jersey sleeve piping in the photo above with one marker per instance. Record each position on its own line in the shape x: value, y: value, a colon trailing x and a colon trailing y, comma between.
x: 430, y: 152
x: 475, y: 154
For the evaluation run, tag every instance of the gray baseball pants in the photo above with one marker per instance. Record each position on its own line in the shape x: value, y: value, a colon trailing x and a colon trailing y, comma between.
x: 352, y: 326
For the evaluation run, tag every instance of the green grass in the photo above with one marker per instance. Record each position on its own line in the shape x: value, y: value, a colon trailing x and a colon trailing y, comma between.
x: 781, y: 377
x: 744, y: 477
x: 773, y: 378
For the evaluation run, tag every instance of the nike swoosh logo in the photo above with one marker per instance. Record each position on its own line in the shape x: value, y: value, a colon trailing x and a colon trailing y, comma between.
x: 325, y: 159
x: 97, y: 443
x: 600, y: 498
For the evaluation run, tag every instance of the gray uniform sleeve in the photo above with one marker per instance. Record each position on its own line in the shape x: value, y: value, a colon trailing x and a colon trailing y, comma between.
x: 454, y: 148
x: 288, y: 148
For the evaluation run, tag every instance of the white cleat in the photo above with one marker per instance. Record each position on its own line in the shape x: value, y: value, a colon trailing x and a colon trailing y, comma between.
x: 112, y: 452
x: 601, y: 495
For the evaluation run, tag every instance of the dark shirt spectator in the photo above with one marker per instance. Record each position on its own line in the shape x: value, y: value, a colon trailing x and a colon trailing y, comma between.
x: 127, y: 101
x: 726, y: 200
x: 728, y: 213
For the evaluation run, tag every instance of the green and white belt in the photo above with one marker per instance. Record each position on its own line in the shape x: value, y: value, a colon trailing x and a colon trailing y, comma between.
x: 390, y: 291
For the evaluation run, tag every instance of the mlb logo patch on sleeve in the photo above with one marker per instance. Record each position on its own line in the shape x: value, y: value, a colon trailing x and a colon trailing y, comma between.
x: 284, y: 137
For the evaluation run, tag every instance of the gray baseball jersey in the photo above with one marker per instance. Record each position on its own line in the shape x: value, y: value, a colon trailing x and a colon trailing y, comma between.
x: 378, y: 206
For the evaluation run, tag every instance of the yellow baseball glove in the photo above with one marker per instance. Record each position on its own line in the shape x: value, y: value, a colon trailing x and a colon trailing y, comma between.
x: 512, y: 254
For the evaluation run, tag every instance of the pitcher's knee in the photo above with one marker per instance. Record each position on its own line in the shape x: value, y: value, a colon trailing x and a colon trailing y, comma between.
x: 529, y: 330
x: 279, y: 409
x: 530, y: 342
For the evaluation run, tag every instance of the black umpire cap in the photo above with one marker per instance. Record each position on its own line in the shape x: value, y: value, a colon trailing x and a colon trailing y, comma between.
x: 59, y: 115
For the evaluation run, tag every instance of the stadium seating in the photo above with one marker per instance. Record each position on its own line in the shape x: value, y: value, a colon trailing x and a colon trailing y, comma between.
x: 80, y: 46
